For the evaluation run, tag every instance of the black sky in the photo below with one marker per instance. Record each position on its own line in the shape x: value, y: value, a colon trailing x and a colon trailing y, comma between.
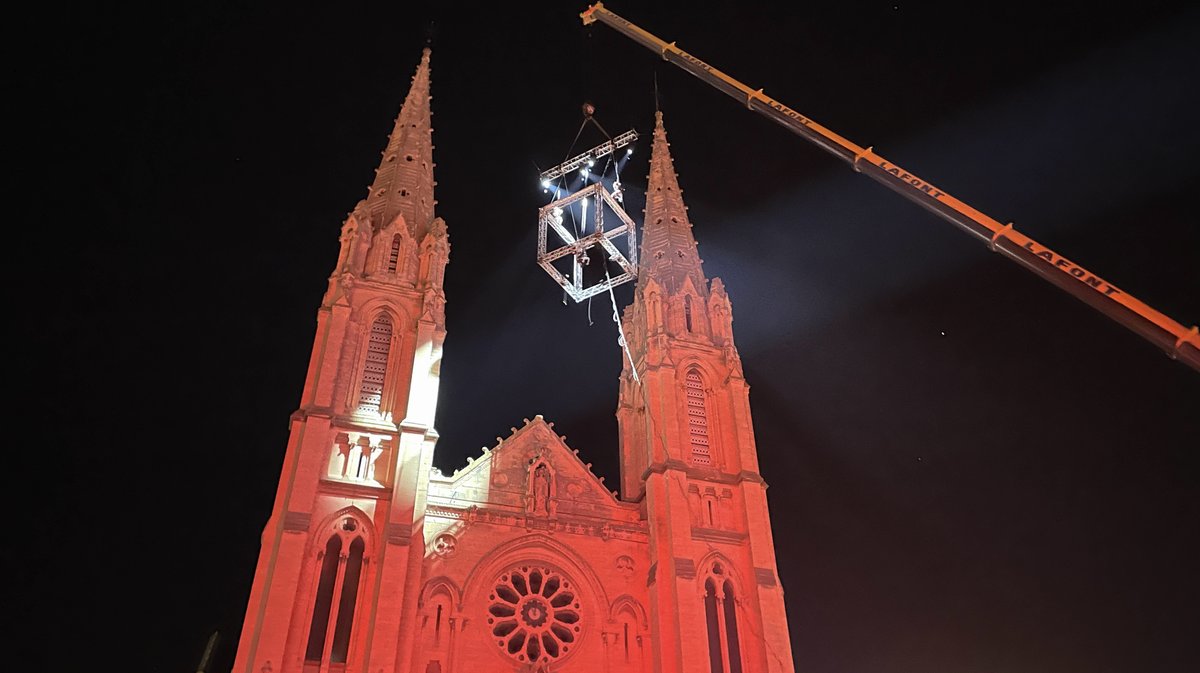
x: 970, y: 471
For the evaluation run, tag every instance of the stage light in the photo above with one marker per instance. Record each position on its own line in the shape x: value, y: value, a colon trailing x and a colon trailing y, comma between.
x: 583, y: 172
x: 545, y: 184
x: 629, y: 151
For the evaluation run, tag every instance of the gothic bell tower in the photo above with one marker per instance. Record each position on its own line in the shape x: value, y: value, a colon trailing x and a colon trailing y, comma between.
x: 341, y: 552
x: 688, y: 453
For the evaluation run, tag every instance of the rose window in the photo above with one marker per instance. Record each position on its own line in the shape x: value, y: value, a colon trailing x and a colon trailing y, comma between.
x: 534, y: 614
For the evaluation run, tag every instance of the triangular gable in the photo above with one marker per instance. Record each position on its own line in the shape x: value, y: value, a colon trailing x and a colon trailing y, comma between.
x: 509, y: 469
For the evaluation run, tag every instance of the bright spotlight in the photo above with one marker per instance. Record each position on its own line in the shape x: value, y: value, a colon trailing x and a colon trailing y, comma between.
x: 583, y: 172
x: 546, y: 184
x: 591, y: 162
x: 629, y: 151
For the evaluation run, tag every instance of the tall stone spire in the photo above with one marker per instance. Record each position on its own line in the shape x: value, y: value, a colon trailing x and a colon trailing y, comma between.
x: 668, y: 252
x: 404, y: 180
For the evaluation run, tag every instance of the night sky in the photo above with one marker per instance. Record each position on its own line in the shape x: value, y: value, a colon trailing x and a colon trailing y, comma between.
x: 970, y: 471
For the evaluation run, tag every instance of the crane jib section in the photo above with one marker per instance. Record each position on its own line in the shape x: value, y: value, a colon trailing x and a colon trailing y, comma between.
x: 1178, y: 342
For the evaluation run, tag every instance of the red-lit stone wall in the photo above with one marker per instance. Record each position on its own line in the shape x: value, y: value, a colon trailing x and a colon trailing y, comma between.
x: 526, y: 544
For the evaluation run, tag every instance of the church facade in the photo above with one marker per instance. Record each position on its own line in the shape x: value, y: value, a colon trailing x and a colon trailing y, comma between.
x: 374, y: 562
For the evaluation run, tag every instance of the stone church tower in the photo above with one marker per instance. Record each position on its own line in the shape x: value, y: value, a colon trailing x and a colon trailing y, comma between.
x: 375, y: 562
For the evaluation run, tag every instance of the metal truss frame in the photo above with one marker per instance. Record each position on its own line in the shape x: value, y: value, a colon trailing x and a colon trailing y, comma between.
x: 601, y: 150
x: 550, y: 217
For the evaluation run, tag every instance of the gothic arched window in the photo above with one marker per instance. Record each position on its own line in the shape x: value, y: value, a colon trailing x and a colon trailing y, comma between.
x: 712, y: 620
x: 697, y: 416
x: 345, y: 619
x: 626, y: 648
x: 340, y: 573
x: 320, y: 616
x: 436, y: 622
x: 370, y: 393
x: 720, y: 614
x: 731, y: 631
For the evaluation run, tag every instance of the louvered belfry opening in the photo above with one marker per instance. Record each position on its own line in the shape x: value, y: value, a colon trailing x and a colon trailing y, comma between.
x: 394, y: 254
x: 370, y: 395
x: 697, y: 416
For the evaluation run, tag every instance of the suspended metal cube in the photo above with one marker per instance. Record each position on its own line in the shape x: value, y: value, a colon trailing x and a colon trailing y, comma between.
x: 591, y: 203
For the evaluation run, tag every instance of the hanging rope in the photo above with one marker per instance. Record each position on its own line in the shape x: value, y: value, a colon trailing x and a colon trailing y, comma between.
x: 616, y: 316
x: 561, y: 179
x: 588, y: 116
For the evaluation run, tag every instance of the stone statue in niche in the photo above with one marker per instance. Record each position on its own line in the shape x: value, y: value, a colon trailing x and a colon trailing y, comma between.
x: 362, y: 243
x: 732, y: 359
x: 349, y: 229
x: 433, y: 307
x: 541, y: 489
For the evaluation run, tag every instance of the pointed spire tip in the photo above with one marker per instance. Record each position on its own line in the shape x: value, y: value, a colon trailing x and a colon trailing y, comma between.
x: 667, y: 244
x: 395, y: 191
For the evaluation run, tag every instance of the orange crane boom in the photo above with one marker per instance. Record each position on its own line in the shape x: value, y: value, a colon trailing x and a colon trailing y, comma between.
x: 1177, y: 341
